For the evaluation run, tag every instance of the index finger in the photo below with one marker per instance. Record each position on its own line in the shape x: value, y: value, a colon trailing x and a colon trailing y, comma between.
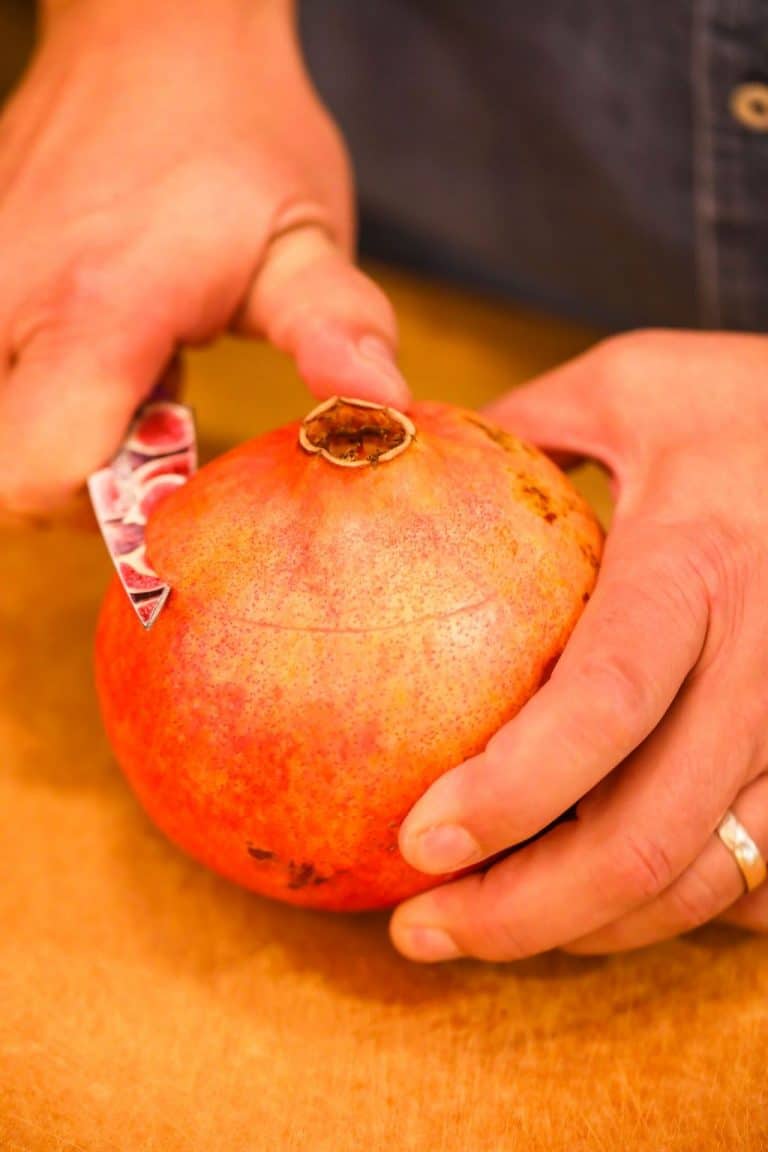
x: 639, y: 637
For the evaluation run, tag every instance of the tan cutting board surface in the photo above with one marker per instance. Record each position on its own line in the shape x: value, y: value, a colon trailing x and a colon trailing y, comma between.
x: 147, y: 1006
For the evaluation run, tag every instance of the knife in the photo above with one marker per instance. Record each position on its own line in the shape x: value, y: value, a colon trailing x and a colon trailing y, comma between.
x: 158, y: 455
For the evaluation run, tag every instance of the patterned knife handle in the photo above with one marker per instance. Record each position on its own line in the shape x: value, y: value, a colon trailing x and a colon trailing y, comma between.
x: 158, y: 455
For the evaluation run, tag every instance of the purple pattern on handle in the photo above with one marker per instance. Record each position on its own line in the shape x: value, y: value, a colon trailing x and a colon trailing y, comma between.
x: 159, y: 455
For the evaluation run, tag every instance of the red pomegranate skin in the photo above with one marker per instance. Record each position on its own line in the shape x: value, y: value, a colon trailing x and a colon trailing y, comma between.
x: 335, y: 640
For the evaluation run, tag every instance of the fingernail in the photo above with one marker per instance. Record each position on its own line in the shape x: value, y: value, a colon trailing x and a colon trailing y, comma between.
x: 379, y: 355
x: 418, y: 942
x: 442, y: 848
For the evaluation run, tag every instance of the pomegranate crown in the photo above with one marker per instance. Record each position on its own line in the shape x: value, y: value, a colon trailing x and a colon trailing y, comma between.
x: 355, y: 433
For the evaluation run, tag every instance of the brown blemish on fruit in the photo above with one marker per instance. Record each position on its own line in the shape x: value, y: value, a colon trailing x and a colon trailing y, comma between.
x: 301, y: 875
x: 585, y: 597
x: 506, y: 441
x: 588, y: 553
x: 352, y: 433
x: 539, y: 502
x: 260, y: 853
x: 536, y: 497
x: 391, y: 846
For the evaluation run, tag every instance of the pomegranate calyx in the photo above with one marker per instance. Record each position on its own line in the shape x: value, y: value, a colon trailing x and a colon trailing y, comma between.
x: 355, y: 433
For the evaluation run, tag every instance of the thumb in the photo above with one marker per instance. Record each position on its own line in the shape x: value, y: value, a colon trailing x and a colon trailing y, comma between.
x: 64, y: 408
x: 309, y: 300
x: 565, y: 412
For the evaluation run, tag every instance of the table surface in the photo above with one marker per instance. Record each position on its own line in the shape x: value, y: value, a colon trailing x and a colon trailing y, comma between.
x: 147, y: 1005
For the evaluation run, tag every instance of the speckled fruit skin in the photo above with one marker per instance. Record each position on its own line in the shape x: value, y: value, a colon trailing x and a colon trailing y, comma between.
x: 335, y: 640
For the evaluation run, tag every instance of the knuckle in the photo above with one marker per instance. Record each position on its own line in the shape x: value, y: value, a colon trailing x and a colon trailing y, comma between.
x: 693, y: 901
x: 84, y: 285
x: 642, y: 868
x: 730, y: 566
x: 620, y: 357
x: 681, y: 589
x: 623, y: 364
x: 617, y: 689
x: 724, y: 557
x: 643, y: 341
x: 496, y: 936
x: 69, y: 301
x: 500, y: 943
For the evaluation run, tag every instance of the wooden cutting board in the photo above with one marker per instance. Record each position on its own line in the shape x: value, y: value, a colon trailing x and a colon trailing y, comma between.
x: 148, y: 1006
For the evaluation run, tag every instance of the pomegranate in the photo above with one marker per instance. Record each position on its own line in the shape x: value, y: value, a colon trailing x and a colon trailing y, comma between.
x: 359, y: 602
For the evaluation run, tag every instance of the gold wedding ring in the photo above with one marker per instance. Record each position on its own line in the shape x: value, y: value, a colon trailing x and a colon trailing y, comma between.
x: 745, y: 852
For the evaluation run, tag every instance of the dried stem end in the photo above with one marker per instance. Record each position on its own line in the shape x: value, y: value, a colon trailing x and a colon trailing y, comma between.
x: 355, y: 433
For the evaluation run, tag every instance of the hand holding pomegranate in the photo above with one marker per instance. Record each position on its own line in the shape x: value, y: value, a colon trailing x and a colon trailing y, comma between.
x: 655, y: 720
x: 166, y: 173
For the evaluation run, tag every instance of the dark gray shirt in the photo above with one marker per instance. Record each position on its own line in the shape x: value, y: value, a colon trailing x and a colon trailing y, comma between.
x: 605, y: 158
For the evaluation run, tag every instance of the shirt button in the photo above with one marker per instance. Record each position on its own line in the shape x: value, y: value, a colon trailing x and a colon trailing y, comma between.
x: 749, y: 105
